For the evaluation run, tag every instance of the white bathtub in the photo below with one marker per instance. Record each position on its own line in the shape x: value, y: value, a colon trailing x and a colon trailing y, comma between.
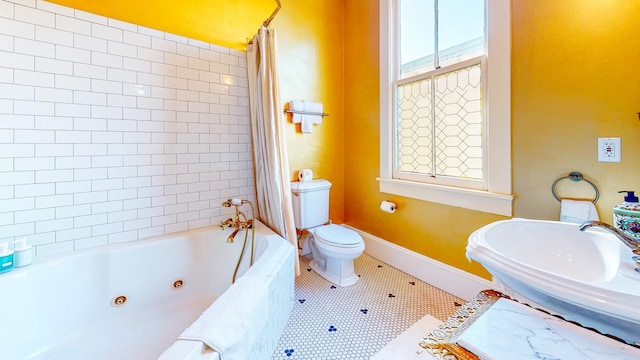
x: 62, y: 307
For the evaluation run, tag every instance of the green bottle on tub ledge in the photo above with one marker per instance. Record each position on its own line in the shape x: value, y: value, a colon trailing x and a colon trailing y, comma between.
x: 626, y: 215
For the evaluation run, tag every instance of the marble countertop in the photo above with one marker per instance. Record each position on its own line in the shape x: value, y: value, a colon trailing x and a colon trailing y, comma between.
x: 509, y: 330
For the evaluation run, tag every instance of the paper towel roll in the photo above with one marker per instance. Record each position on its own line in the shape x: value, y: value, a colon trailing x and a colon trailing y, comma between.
x: 388, y: 206
x: 305, y: 175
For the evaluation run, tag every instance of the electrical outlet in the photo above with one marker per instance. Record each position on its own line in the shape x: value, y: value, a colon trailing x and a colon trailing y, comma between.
x: 609, y: 149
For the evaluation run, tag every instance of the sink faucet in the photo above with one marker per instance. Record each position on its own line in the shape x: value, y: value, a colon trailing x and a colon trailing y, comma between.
x: 631, y: 243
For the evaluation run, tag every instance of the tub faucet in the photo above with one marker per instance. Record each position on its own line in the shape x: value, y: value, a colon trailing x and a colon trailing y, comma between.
x: 226, y: 223
x: 631, y: 243
x: 235, y: 222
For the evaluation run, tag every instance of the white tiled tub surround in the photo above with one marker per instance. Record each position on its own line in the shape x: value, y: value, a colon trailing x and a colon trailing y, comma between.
x: 112, y: 132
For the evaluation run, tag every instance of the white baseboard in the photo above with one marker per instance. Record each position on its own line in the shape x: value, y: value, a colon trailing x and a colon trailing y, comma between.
x: 448, y: 278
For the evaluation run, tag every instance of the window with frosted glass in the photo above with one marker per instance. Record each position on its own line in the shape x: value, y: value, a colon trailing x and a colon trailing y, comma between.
x: 438, y: 89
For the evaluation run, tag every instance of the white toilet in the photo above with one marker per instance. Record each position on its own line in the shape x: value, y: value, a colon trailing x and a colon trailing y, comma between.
x: 333, y: 247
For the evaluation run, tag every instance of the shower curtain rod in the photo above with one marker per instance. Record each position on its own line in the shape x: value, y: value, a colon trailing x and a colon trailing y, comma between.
x: 273, y: 15
x: 267, y: 21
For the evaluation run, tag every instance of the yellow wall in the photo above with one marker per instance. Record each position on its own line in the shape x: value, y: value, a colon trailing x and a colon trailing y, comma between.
x: 311, y: 59
x: 574, y: 78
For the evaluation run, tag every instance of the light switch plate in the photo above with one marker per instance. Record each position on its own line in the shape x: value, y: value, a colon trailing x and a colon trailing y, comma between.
x: 609, y: 149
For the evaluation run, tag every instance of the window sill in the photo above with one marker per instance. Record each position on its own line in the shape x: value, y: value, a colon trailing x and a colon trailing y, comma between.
x: 484, y: 201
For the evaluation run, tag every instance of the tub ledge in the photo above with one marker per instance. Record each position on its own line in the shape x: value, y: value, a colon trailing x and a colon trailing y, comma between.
x: 189, y: 350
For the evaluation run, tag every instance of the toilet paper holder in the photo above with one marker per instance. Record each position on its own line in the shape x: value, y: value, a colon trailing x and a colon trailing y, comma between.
x: 388, y: 206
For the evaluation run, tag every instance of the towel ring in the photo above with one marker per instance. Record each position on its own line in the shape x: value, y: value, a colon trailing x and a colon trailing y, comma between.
x: 574, y: 176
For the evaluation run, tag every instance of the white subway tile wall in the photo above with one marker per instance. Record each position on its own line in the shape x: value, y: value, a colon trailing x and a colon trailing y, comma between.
x: 112, y: 132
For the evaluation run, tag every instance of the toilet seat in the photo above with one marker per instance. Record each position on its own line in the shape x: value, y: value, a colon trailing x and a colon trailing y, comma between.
x: 337, y: 236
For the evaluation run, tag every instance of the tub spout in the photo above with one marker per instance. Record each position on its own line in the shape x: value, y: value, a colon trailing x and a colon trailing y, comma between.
x: 626, y: 239
x: 233, y: 235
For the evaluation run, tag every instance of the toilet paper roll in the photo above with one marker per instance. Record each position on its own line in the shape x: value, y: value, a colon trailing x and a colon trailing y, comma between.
x: 305, y: 175
x: 388, y: 206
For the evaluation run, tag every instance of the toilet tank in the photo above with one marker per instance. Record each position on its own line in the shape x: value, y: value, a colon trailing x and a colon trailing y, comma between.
x: 310, y: 203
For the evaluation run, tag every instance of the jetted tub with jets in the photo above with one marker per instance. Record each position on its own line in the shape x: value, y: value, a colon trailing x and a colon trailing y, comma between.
x: 584, y: 276
x: 133, y: 300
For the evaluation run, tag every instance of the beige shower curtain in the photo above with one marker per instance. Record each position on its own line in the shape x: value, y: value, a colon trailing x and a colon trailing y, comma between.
x: 269, y: 145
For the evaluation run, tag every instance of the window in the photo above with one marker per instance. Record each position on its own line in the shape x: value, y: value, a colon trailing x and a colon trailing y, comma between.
x: 445, y: 102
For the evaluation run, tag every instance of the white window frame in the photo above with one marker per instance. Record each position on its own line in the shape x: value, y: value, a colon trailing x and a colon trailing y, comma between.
x: 497, y: 198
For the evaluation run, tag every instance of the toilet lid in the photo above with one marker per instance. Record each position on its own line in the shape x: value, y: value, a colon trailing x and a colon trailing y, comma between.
x: 335, y: 234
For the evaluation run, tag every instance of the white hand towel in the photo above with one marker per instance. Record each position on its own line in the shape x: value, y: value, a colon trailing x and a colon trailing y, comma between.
x: 577, y: 211
x: 314, y: 107
x: 307, y: 124
x: 296, y: 105
x: 306, y: 121
x: 237, y: 318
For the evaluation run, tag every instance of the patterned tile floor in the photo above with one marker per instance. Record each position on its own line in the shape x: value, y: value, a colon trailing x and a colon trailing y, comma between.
x: 355, y: 322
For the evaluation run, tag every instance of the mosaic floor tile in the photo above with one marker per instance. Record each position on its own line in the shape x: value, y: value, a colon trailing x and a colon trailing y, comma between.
x: 355, y: 322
